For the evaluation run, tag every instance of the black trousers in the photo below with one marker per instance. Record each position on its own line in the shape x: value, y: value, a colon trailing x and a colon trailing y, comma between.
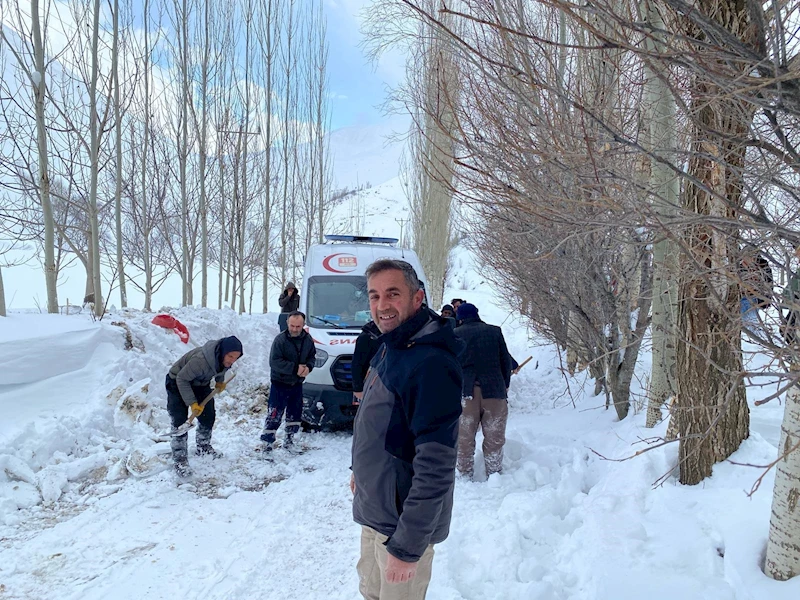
x: 179, y: 412
x: 283, y: 398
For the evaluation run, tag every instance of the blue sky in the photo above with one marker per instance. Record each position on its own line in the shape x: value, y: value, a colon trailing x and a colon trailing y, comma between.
x: 358, y: 87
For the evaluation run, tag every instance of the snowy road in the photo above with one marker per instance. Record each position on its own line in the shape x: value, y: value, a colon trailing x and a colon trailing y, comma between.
x: 560, y: 522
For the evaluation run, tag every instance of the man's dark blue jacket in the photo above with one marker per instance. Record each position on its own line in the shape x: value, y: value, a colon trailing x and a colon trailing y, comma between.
x: 405, y: 434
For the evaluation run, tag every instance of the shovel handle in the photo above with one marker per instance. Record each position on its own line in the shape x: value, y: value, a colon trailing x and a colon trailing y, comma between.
x: 525, y: 362
x: 206, y: 401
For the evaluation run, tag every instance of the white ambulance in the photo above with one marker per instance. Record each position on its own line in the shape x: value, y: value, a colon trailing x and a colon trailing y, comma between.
x: 334, y: 299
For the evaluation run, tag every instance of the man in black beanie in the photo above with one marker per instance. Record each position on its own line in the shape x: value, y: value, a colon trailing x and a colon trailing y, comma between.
x: 188, y: 384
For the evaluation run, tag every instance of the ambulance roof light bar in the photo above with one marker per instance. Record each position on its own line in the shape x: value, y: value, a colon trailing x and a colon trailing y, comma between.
x: 361, y: 239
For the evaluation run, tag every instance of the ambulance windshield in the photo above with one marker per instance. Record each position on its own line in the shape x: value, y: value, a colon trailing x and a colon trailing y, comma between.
x: 338, y: 302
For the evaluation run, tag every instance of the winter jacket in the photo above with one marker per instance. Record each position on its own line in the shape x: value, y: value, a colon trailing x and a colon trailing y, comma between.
x: 486, y: 360
x: 198, y: 367
x: 367, y: 345
x: 756, y: 279
x: 405, y: 434
x: 288, y: 354
x: 289, y: 303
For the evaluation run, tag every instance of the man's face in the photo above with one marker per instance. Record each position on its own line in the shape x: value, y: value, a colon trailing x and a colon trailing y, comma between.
x: 447, y: 313
x: 391, y: 301
x: 230, y: 358
x: 295, y: 325
x: 456, y: 304
x: 290, y: 291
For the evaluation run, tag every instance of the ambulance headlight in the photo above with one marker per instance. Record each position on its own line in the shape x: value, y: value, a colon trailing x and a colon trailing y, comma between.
x: 322, y: 357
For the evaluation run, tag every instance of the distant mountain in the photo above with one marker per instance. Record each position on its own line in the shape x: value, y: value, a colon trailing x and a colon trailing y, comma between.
x: 367, y: 153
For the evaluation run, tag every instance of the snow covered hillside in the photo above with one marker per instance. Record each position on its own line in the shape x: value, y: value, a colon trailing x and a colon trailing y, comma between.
x: 367, y: 153
x: 89, y: 509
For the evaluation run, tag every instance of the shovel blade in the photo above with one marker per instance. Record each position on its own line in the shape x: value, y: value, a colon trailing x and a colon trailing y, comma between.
x: 175, y: 433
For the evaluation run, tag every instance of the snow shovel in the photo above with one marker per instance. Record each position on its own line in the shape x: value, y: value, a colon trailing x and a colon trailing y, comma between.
x: 190, y: 421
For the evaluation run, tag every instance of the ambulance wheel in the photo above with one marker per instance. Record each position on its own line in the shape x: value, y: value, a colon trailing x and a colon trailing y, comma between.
x: 308, y: 427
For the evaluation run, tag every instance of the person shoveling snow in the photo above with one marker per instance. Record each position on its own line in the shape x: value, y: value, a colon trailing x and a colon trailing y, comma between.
x: 189, y: 395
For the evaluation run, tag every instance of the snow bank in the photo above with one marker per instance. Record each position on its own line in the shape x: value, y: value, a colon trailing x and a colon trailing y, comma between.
x: 82, y: 408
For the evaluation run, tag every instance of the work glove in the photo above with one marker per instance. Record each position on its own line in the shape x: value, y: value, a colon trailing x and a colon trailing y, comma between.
x: 219, y: 386
x: 197, y: 410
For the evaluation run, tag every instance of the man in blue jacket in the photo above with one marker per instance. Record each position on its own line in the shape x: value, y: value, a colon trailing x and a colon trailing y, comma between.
x: 404, y: 438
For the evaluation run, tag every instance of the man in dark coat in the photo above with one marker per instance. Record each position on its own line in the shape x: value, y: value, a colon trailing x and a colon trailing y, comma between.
x: 487, y: 375
x: 404, y: 438
x: 188, y: 384
x: 367, y: 345
x: 290, y: 361
x: 289, y: 301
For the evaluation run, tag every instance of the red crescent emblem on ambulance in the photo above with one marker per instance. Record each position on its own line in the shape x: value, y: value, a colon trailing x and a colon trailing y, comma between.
x: 346, y: 263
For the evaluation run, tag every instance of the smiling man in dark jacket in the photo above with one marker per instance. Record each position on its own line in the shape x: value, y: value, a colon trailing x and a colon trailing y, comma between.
x: 487, y: 369
x: 290, y: 361
x: 404, y: 438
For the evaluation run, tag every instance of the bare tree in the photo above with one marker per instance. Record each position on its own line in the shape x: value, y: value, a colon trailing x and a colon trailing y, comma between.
x: 123, y: 293
x: 434, y: 149
x: 95, y: 136
x: 268, y: 35
x: 660, y: 111
x: 36, y: 75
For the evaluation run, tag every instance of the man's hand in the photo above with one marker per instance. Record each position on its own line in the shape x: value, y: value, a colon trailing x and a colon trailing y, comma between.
x: 219, y: 386
x: 197, y: 410
x: 302, y: 371
x: 353, y: 484
x: 359, y: 395
x: 399, y: 571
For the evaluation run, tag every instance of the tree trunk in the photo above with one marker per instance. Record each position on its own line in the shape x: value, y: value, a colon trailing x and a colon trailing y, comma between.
x: 285, y: 142
x: 2, y: 295
x: 94, y: 221
x: 183, y: 154
x: 665, y: 187
x: 710, y: 391
x: 123, y: 294
x: 39, y: 85
x: 146, y: 259
x: 203, y: 144
x: 783, y: 547
x: 223, y: 212
x: 245, y: 201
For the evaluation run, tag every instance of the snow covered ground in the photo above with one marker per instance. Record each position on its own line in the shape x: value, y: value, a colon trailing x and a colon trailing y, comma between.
x: 89, y: 508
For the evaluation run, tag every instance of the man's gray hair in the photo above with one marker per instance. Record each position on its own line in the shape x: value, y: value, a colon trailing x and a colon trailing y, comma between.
x: 389, y: 264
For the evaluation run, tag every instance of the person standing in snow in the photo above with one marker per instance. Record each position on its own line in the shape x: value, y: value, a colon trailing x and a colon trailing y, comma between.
x: 290, y: 361
x: 487, y: 367
x: 367, y: 344
x: 791, y: 303
x: 404, y: 438
x: 289, y: 301
x: 188, y: 384
x: 448, y: 312
x: 756, y: 284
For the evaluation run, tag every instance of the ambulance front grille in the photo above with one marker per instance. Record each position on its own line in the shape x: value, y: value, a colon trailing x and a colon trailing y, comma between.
x: 342, y: 373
